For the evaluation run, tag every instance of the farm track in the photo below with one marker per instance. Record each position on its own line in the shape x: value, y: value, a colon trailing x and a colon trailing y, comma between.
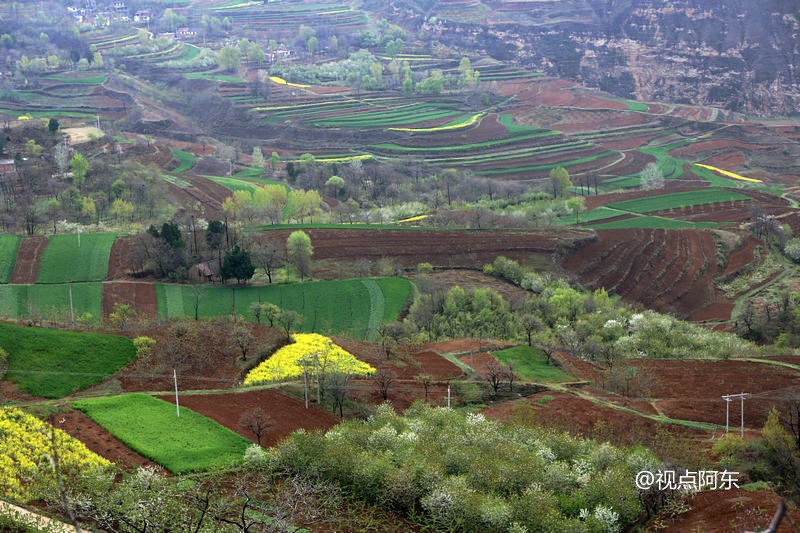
x: 29, y: 257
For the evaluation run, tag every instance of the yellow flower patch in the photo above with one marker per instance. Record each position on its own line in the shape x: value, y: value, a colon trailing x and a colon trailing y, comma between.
x: 27, y: 445
x: 319, y: 355
x: 729, y: 174
x: 281, y: 81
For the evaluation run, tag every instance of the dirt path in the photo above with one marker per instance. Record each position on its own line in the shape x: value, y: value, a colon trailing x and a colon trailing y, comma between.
x: 29, y: 256
x: 34, y: 520
x: 139, y: 295
x: 118, y: 265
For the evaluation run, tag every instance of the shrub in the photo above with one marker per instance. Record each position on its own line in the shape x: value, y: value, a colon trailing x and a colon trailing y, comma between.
x: 469, y: 473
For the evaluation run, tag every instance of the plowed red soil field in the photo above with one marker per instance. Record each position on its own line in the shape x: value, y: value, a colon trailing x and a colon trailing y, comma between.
x: 29, y: 256
x: 98, y: 439
x: 726, y: 511
x: 139, y: 295
x: 288, y: 413
x: 118, y: 262
x: 472, y: 248
x: 664, y: 270
x: 693, y: 389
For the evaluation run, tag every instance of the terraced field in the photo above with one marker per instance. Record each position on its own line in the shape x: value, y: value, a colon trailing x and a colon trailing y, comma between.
x: 668, y: 270
x: 77, y: 257
x: 354, y: 307
x: 52, y: 301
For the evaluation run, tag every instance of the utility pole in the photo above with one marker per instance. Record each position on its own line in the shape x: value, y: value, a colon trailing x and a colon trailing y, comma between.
x: 728, y: 398
x: 175, y: 379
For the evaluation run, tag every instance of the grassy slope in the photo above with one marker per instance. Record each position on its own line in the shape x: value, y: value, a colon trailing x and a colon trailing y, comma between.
x: 150, y: 426
x: 530, y: 364
x: 50, y: 300
x: 64, y: 261
x: 54, y: 363
x: 328, y: 306
x: 8, y: 255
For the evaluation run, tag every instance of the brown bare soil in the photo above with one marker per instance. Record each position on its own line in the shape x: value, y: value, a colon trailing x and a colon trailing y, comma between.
x: 405, y: 361
x: 118, y: 262
x: 29, y: 256
x: 98, y: 439
x: 470, y: 248
x: 479, y: 362
x: 288, y: 413
x: 139, y: 295
x: 664, y: 270
x: 582, y: 417
x: 693, y: 389
x: 401, y: 393
x: 726, y: 511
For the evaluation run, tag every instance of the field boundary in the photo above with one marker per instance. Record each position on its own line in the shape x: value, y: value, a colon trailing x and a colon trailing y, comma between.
x: 377, y: 305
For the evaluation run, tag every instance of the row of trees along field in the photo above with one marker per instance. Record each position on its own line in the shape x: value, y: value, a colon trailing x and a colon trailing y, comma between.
x: 170, y: 253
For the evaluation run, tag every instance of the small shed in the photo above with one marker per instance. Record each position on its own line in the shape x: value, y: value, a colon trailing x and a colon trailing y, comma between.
x: 207, y: 271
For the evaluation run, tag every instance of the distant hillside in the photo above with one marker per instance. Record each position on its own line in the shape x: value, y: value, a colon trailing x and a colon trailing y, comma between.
x: 741, y: 55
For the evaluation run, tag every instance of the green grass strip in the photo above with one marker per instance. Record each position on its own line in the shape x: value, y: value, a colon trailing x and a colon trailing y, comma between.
x: 678, y: 200
x: 341, y: 306
x: 530, y: 364
x: 377, y: 305
x: 186, y: 160
x: 470, y: 146
x: 87, y: 80
x: 9, y: 244
x: 647, y: 222
x: 76, y: 257
x: 51, y: 301
x: 233, y: 184
x: 53, y: 363
x: 186, y: 443
x: 213, y: 77
x: 572, y: 162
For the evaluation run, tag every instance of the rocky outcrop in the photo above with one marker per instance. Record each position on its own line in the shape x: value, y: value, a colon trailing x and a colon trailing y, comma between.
x: 742, y: 55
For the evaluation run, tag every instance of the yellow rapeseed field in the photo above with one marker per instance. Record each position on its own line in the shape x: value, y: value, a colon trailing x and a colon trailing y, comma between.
x: 729, y: 174
x: 318, y: 352
x: 26, y: 446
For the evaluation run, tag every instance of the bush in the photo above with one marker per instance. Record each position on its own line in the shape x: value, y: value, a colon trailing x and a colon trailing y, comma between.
x: 465, y: 472
x: 792, y: 249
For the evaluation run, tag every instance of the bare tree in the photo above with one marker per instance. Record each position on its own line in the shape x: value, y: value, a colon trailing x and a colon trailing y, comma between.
x: 267, y: 256
x: 425, y: 380
x: 508, y: 371
x: 257, y: 421
x: 336, y: 386
x: 384, y: 377
x: 495, y: 373
x: 242, y: 338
